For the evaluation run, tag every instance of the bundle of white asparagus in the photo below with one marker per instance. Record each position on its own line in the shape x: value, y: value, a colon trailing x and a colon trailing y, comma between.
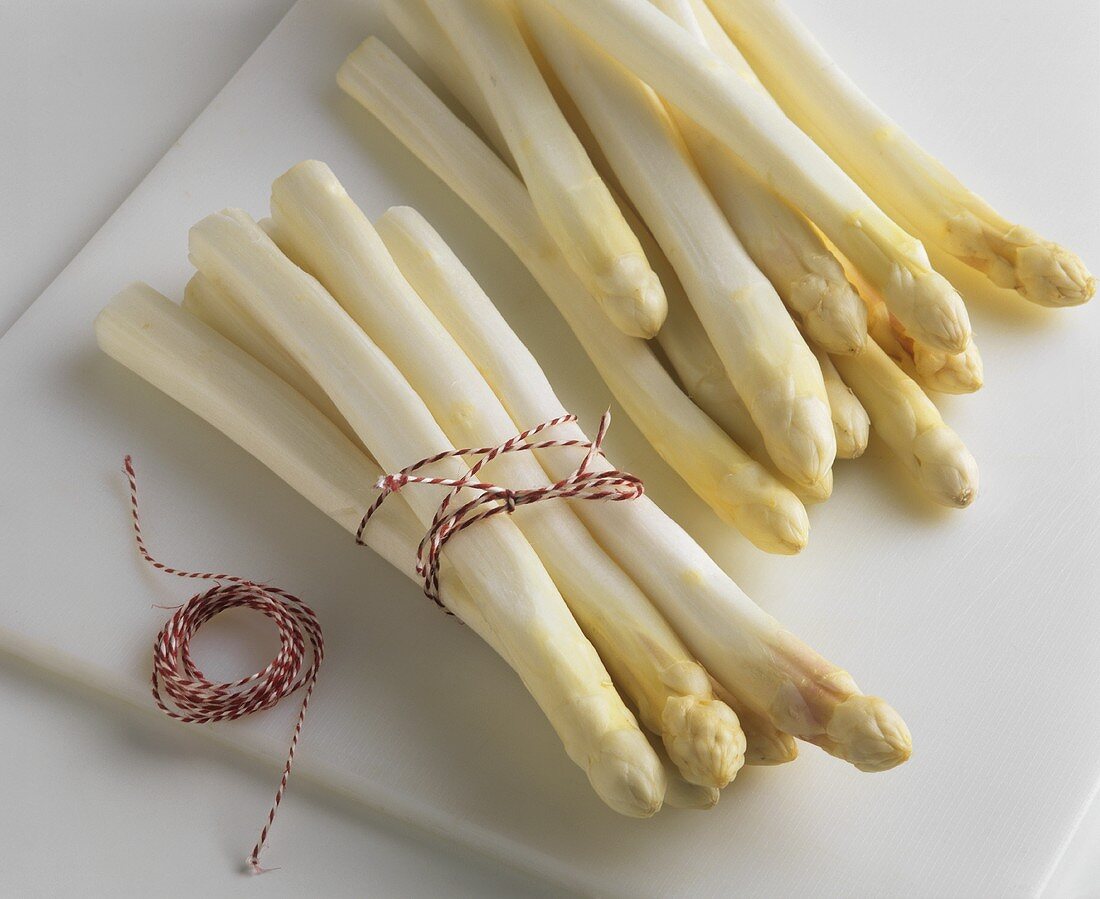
x: 800, y: 310
x: 332, y: 349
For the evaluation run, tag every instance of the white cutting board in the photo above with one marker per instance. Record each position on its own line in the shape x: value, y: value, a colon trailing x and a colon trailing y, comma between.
x: 981, y: 627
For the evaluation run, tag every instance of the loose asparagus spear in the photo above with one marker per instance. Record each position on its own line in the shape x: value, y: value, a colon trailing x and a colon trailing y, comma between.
x: 778, y: 238
x: 516, y: 595
x: 572, y: 200
x: 744, y: 649
x: 911, y: 425
x: 698, y: 82
x: 906, y: 181
x: 739, y: 489
x: 766, y: 358
x: 323, y: 230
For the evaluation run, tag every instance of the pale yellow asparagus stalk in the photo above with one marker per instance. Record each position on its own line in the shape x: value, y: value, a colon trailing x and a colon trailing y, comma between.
x: 738, y: 489
x: 572, y: 200
x: 515, y: 594
x: 780, y: 240
x: 221, y: 312
x: 850, y: 421
x: 906, y: 181
x: 326, y: 233
x: 767, y: 360
x: 746, y: 650
x: 704, y: 87
x: 911, y: 425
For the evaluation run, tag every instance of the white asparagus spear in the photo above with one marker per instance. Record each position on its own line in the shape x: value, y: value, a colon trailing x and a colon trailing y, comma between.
x: 905, y: 180
x: 698, y: 82
x: 745, y: 650
x: 911, y: 425
x: 681, y: 793
x: 780, y: 240
x: 850, y: 421
x: 738, y: 488
x: 323, y: 230
x: 767, y: 360
x: 572, y: 200
x: 221, y: 312
x: 516, y: 595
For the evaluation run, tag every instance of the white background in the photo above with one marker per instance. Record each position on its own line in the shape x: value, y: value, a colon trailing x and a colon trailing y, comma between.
x: 93, y: 95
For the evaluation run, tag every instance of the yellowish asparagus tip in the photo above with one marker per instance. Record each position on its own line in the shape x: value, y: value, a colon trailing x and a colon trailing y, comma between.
x: 947, y: 470
x: 817, y: 492
x: 1051, y: 275
x: 779, y: 525
x: 836, y: 319
x: 867, y: 732
x: 769, y: 747
x: 704, y: 740
x: 634, y: 297
x: 940, y: 316
x: 627, y: 775
x: 808, y: 450
x: 681, y: 794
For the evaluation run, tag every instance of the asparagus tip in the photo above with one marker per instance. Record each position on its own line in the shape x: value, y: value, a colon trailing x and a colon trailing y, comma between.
x: 634, y: 297
x: 704, y: 740
x: 937, y: 315
x: 836, y: 319
x: 1051, y: 275
x: 808, y: 448
x: 867, y: 732
x: 769, y: 747
x: 681, y: 794
x: 947, y: 469
x: 778, y: 525
x: 627, y: 775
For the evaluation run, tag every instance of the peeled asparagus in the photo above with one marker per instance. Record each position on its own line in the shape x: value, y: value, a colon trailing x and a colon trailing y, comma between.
x: 907, y: 182
x: 515, y: 594
x: 573, y: 202
x: 739, y: 489
x: 325, y: 232
x: 768, y: 362
x: 779, y: 239
x: 850, y: 421
x: 911, y: 425
x: 698, y: 82
x: 747, y: 651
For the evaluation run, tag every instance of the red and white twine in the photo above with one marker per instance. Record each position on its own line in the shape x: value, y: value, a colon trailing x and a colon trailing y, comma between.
x: 492, y: 499
x: 194, y: 698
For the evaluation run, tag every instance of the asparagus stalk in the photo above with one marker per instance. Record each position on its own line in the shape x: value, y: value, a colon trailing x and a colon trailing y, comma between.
x: 745, y: 650
x: 739, y: 490
x: 905, y: 180
x: 911, y: 425
x: 698, y: 82
x: 516, y: 596
x: 325, y: 232
x: 766, y: 358
x: 850, y: 421
x: 572, y: 200
x: 783, y: 244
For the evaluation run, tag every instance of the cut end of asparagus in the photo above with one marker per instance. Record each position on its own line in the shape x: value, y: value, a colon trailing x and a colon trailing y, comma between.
x: 779, y: 525
x: 704, y: 740
x: 867, y: 732
x: 930, y: 308
x: 946, y: 469
x: 633, y: 296
x: 1051, y: 275
x: 627, y: 775
x: 834, y: 316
